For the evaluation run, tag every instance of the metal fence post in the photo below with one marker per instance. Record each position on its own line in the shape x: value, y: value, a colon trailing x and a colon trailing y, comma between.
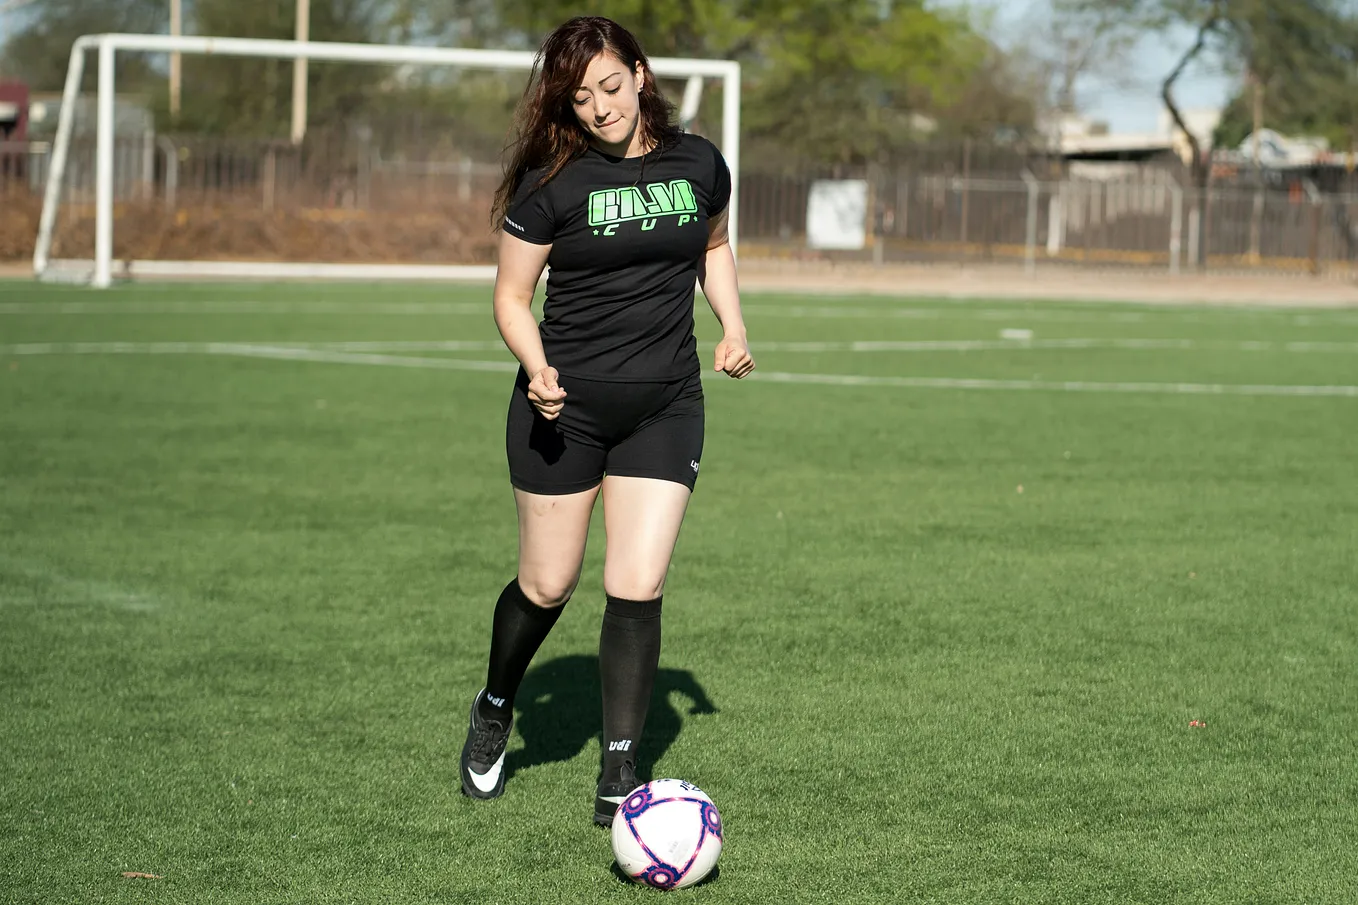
x: 171, y: 170
x: 1317, y: 209
x: 1030, y: 248
x: 1194, y: 232
x: 148, y: 164
x: 1056, y: 219
x: 270, y: 176
x: 1176, y: 225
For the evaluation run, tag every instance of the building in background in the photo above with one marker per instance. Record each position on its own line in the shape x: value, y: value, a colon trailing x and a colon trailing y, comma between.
x: 13, y: 111
x: 1080, y: 139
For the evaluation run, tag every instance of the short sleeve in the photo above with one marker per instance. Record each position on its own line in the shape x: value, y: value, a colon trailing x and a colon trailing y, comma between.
x: 531, y: 216
x: 721, y: 184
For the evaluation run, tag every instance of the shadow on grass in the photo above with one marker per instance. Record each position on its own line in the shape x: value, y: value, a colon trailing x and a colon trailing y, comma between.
x: 559, y: 712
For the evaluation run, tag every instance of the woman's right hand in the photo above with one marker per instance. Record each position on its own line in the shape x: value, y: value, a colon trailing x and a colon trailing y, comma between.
x: 547, y: 397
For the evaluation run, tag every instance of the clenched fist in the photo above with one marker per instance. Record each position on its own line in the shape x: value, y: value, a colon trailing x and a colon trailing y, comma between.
x: 733, y: 357
x: 545, y: 394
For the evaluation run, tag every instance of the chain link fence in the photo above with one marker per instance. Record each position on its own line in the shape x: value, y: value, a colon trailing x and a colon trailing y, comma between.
x: 1147, y: 219
x: 350, y: 196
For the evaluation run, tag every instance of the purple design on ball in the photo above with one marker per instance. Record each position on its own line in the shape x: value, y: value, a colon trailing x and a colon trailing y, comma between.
x: 711, y: 820
x: 661, y: 876
x: 637, y: 802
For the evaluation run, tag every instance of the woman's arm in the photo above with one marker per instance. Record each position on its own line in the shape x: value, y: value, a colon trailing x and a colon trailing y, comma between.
x: 717, y: 276
x: 516, y: 279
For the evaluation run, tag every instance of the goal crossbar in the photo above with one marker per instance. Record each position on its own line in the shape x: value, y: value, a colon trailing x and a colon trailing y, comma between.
x: 108, y: 45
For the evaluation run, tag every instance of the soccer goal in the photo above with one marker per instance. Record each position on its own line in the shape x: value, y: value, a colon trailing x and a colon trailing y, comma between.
x: 128, y: 203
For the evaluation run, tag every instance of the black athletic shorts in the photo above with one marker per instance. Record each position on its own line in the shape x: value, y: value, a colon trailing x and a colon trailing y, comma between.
x: 639, y: 430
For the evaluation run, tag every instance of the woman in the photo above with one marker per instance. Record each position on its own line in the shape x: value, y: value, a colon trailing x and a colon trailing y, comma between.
x: 629, y: 212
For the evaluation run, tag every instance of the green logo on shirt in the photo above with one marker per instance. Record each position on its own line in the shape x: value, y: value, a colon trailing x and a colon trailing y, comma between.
x: 610, y: 207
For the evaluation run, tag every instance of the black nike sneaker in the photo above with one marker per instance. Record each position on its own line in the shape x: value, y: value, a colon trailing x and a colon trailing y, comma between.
x: 613, y: 791
x: 483, y: 755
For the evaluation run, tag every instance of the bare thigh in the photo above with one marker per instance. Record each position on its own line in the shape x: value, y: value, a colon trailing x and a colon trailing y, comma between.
x: 642, y: 517
x: 552, y: 533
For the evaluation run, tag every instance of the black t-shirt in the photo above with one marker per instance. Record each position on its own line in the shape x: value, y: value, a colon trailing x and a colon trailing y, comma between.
x: 627, y: 235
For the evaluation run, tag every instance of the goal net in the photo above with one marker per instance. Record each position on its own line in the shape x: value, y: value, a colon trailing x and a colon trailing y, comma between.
x: 400, y: 188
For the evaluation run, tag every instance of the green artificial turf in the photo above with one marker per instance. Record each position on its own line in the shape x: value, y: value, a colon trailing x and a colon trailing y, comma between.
x: 922, y: 644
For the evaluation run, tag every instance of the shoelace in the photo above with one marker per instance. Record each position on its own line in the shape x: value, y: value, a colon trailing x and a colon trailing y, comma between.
x: 486, y: 746
x: 627, y: 776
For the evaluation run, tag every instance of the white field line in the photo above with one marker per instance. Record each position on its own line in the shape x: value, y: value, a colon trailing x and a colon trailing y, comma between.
x: 1019, y: 315
x: 927, y: 345
x: 863, y: 346
x: 244, y: 306
x: 1062, y: 386
x: 363, y: 358
x: 983, y: 345
x: 64, y: 589
x: 456, y: 345
x: 833, y: 311
x: 288, y: 353
x: 1184, y: 308
x: 285, y: 352
x: 236, y: 348
x: 947, y: 345
x: 873, y: 345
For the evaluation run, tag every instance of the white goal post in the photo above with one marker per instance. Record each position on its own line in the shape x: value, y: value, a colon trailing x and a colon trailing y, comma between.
x: 99, y: 271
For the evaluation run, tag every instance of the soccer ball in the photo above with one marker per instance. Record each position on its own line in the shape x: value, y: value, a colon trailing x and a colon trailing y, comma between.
x: 667, y: 834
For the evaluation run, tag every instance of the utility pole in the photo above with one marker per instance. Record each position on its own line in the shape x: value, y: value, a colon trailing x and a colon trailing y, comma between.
x: 299, y: 74
x: 176, y: 58
x: 1258, y: 87
x: 1257, y: 214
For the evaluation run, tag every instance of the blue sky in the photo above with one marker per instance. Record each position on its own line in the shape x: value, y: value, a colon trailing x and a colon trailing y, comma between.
x: 1134, y: 105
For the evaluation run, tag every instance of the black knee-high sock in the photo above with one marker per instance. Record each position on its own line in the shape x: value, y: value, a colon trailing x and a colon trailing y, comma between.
x: 629, y: 654
x: 519, y: 628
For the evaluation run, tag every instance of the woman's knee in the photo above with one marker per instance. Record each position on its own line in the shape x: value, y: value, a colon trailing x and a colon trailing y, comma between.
x: 547, y: 591
x: 634, y: 584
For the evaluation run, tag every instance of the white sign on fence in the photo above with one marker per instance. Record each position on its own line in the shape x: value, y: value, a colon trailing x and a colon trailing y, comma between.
x: 837, y: 214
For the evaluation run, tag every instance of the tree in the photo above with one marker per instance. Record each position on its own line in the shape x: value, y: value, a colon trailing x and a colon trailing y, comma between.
x: 1063, y: 45
x: 825, y: 80
x: 688, y: 28
x: 461, y: 23
x: 253, y: 97
x: 1269, y: 40
x: 984, y: 93
x: 831, y: 80
x: 38, y: 54
x: 1300, y: 75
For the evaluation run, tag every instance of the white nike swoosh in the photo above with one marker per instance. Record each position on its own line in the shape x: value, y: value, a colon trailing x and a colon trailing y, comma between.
x: 486, y: 782
x: 613, y: 799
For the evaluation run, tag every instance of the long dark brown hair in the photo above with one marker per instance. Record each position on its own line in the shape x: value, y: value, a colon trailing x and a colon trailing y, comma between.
x: 546, y: 131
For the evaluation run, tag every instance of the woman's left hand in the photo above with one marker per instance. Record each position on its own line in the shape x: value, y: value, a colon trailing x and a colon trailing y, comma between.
x: 733, y: 357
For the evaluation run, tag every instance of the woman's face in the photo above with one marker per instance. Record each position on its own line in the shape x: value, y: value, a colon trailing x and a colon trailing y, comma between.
x: 606, y: 103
